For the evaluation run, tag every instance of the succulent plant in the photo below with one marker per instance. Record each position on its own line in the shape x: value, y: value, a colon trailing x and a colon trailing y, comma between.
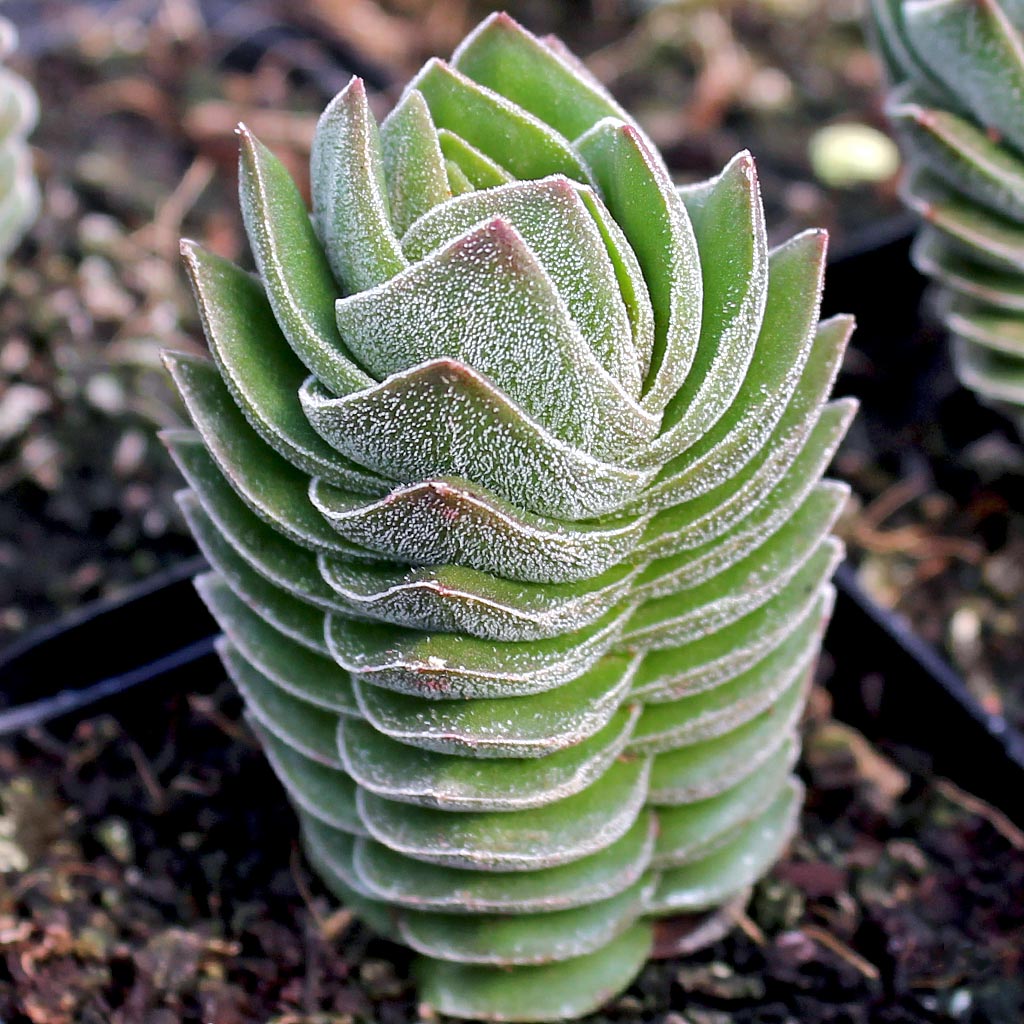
x: 508, y: 471
x: 19, y: 110
x: 958, y: 72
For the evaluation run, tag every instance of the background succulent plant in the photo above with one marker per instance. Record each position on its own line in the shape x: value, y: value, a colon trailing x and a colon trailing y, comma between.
x: 509, y: 474
x: 19, y: 110
x: 958, y: 71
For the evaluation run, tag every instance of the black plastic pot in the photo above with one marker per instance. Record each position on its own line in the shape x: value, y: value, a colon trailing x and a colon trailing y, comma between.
x: 885, y: 681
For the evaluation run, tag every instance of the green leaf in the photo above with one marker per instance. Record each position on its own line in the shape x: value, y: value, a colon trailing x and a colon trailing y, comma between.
x: 544, y: 837
x: 711, y: 660
x: 902, y: 62
x: 728, y: 224
x: 503, y: 727
x: 991, y: 328
x: 702, y: 716
x: 501, y: 55
x: 554, y: 222
x: 505, y: 132
x: 413, y: 163
x: 936, y: 256
x: 350, y: 204
x: 558, y: 991
x: 214, y: 511
x: 988, y: 238
x: 640, y: 196
x: 485, y: 300
x: 297, y: 669
x: 703, y: 770
x: 452, y: 599
x: 413, y: 775
x: 696, y: 830
x: 442, y: 666
x: 709, y: 882
x: 300, y: 621
x: 404, y: 882
x: 784, y: 345
x: 374, y: 913
x: 806, y: 435
x: 272, y: 487
x: 392, y: 428
x: 479, y: 170
x: 960, y: 153
x: 325, y: 793
x: 978, y: 54
x: 305, y: 727
x: 261, y: 372
x: 523, y: 939
x: 994, y: 376
x: 293, y: 266
x: 449, y: 521
x: 750, y: 583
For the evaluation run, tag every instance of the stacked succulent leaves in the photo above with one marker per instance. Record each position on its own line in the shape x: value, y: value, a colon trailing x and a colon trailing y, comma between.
x: 19, y: 110
x: 508, y: 470
x: 958, y: 68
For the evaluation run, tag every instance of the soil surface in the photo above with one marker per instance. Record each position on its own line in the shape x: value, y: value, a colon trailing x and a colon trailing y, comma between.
x: 149, y: 874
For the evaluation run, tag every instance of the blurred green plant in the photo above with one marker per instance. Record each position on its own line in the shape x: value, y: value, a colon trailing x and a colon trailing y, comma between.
x: 957, y: 67
x: 509, y: 474
x: 19, y: 111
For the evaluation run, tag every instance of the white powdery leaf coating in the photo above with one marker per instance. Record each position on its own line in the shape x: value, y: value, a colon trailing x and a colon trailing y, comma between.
x: 305, y: 728
x: 413, y: 162
x: 270, y: 485
x: 318, y: 790
x: 713, y: 660
x: 444, y: 666
x: 296, y: 669
x: 485, y: 300
x: 443, y: 419
x: 413, y: 775
x: 728, y: 220
x: 526, y: 940
x: 691, y: 832
x: 556, y: 224
x: 671, y: 266
x: 444, y: 521
x: 709, y: 882
x: 349, y: 196
x: 453, y: 599
x: 681, y: 618
x: 703, y: 770
x: 696, y: 566
x: 784, y: 346
x: 694, y: 524
x: 696, y: 718
x: 414, y: 885
x: 996, y: 377
x: 504, y: 726
x: 546, y: 837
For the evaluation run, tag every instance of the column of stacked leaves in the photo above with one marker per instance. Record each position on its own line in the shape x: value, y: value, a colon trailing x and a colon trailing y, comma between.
x: 508, y: 470
x: 958, y: 71
x: 19, y: 110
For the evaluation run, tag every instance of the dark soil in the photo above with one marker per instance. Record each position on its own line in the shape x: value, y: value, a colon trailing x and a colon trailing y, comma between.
x: 149, y: 870
x: 152, y: 879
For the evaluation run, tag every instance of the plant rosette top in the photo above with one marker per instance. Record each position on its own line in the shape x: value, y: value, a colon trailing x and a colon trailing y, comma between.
x: 508, y: 471
x: 19, y: 111
x: 957, y: 67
